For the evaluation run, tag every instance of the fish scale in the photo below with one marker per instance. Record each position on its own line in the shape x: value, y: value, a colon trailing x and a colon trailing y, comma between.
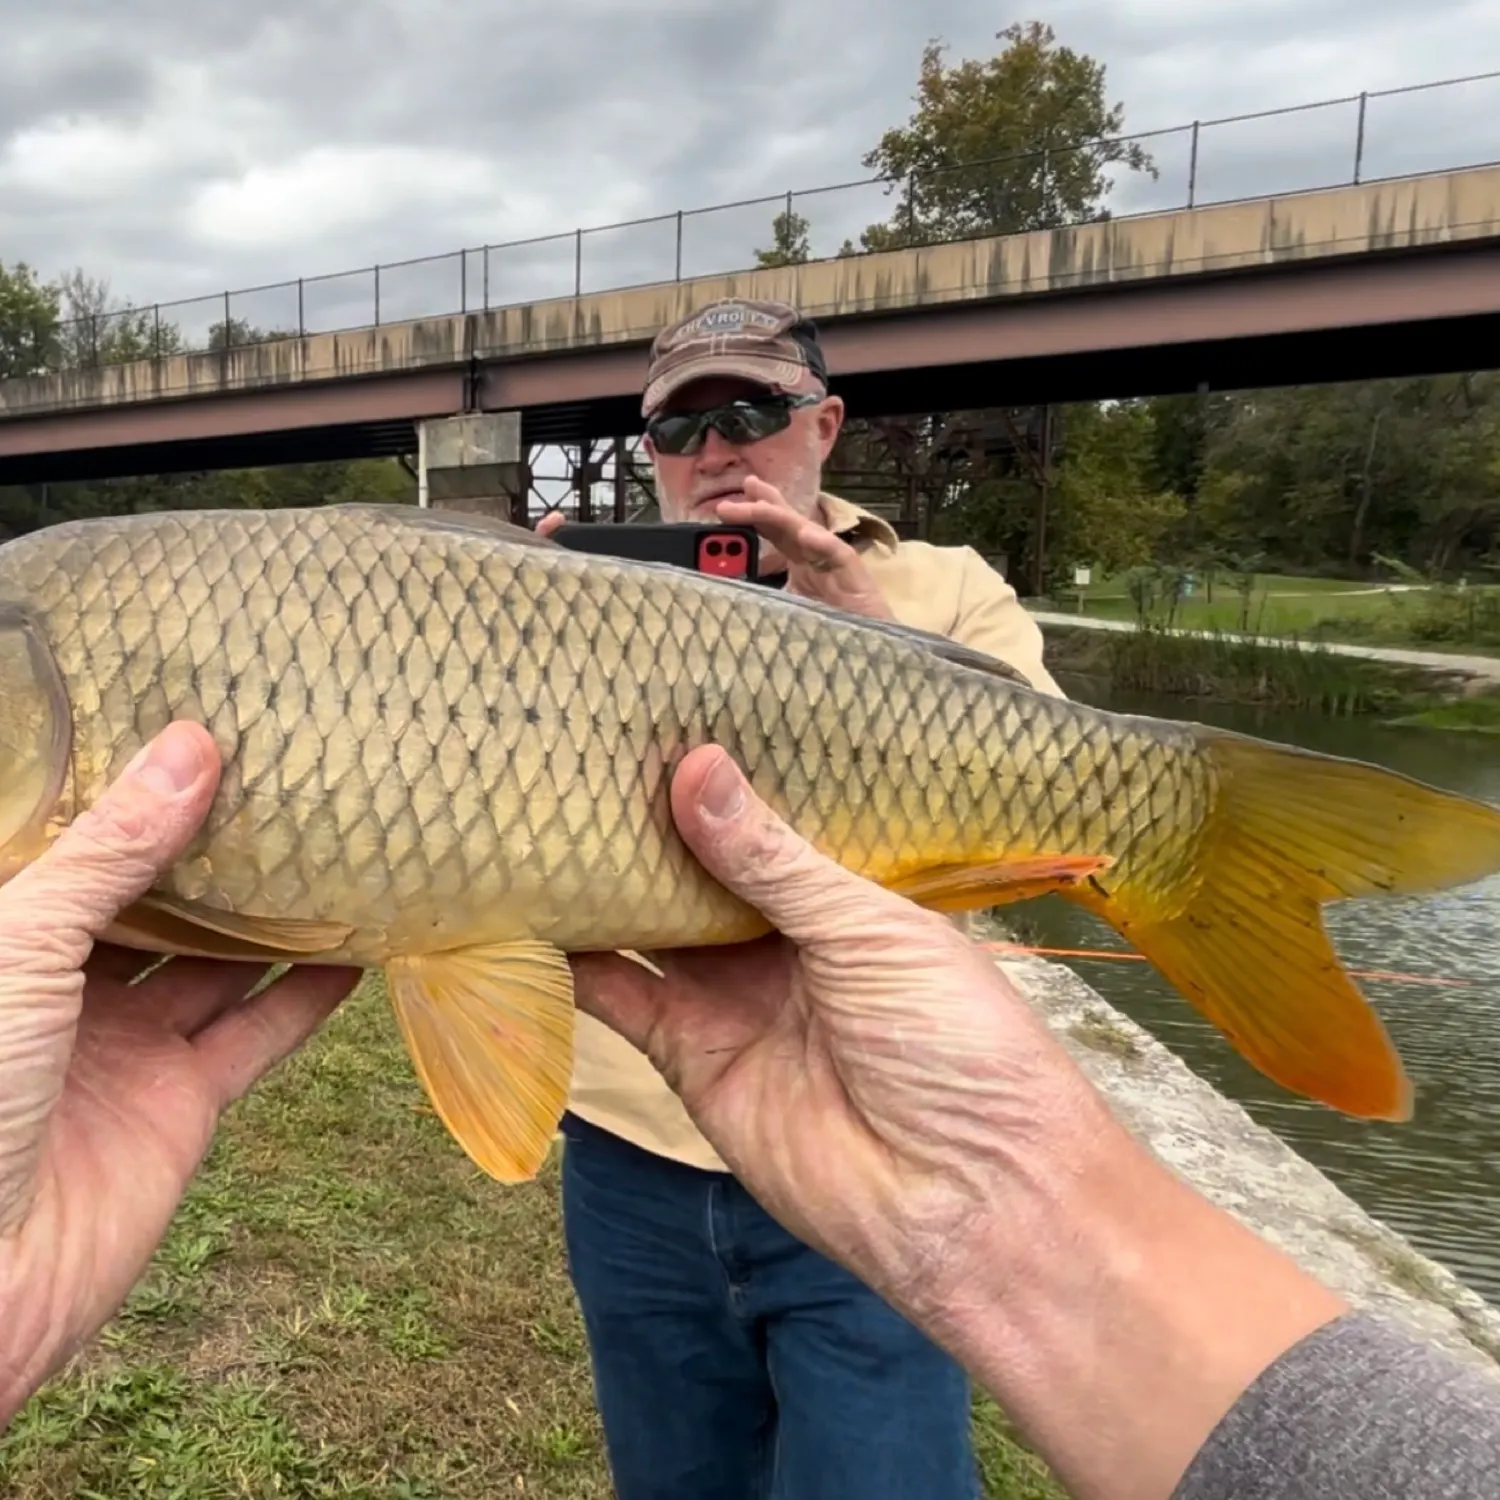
x: 447, y: 746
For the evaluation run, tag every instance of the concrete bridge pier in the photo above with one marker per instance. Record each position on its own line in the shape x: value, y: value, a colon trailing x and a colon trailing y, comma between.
x: 473, y: 462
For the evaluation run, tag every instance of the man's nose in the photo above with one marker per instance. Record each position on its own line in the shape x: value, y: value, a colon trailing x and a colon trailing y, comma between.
x: 717, y: 451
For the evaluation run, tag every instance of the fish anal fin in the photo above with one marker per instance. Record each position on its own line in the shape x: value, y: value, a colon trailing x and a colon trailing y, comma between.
x: 973, y: 886
x: 159, y: 923
x: 490, y: 1033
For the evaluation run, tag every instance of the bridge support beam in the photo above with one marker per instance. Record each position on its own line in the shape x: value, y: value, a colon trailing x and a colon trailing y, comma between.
x: 474, y: 462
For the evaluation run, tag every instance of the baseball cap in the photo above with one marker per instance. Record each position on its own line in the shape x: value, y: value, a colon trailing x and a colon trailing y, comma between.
x: 770, y: 343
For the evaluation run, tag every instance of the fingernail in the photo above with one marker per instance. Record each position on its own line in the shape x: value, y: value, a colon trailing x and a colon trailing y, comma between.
x: 171, y: 764
x: 722, y: 796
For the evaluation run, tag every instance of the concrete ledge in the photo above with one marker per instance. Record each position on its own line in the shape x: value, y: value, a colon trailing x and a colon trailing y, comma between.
x: 1245, y: 1169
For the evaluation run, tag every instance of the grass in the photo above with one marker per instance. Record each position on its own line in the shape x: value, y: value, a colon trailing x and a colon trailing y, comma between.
x: 1477, y: 715
x: 345, y: 1307
x: 1323, y: 609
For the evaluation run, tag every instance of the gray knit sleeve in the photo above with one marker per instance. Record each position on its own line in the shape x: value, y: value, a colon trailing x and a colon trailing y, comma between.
x: 1356, y: 1411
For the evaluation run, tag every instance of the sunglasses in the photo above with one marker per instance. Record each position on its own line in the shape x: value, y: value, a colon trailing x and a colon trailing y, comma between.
x: 738, y: 422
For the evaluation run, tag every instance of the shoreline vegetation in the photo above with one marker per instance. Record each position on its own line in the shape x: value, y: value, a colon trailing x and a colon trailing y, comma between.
x: 1265, y: 672
x: 1260, y: 642
x: 1409, y: 611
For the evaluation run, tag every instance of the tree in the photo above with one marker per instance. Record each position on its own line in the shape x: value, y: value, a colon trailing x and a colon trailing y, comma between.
x: 1105, y: 507
x: 789, y: 244
x: 1329, y: 478
x: 236, y: 333
x: 1020, y: 141
x: 96, y: 330
x: 1016, y: 142
x: 28, y: 322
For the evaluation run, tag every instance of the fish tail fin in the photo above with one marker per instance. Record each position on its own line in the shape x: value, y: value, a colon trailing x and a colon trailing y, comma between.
x: 1241, y: 933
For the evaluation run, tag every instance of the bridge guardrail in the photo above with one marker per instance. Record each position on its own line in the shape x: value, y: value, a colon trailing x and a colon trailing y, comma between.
x: 1329, y: 143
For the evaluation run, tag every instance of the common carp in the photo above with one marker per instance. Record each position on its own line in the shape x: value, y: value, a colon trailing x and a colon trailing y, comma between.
x: 447, y: 747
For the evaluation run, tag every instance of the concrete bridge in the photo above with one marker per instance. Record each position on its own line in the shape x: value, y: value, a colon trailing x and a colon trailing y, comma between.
x: 1382, y: 279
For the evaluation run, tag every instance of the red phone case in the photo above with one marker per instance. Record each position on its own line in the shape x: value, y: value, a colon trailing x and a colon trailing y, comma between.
x: 724, y: 554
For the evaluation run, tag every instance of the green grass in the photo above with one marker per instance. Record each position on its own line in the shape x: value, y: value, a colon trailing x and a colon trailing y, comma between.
x: 1477, y: 715
x: 1323, y: 609
x: 346, y: 1307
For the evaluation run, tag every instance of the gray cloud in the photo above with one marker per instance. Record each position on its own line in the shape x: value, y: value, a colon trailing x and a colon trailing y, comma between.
x: 177, y: 149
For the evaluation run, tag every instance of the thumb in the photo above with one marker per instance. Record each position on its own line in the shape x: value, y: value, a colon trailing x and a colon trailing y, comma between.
x: 110, y: 855
x: 50, y: 914
x: 746, y: 846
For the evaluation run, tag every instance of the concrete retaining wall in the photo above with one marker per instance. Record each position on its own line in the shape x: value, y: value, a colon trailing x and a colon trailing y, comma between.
x: 1248, y: 1171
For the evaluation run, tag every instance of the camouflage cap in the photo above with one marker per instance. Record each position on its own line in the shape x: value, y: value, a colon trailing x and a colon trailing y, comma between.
x: 770, y: 343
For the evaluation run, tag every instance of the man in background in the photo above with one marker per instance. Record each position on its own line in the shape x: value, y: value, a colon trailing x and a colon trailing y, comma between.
x: 731, y: 1361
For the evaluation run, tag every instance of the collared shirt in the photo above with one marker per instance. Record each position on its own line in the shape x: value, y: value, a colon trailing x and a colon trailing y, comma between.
x: 947, y: 591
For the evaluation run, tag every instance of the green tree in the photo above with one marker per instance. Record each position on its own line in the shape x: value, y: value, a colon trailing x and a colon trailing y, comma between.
x: 377, y: 480
x: 1019, y: 141
x: 29, y: 312
x: 1105, y: 507
x: 789, y: 243
x: 1328, y: 478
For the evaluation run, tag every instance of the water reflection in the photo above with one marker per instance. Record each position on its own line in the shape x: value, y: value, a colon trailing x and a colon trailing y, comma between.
x: 1435, y: 1179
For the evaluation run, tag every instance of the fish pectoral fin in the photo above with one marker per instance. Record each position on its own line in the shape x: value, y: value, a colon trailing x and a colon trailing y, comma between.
x: 995, y: 882
x: 167, y: 924
x: 490, y: 1033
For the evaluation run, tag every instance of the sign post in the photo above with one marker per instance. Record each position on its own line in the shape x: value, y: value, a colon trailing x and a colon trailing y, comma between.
x: 1081, y: 579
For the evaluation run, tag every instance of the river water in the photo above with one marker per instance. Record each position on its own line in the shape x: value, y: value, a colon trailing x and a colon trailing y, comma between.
x: 1436, y: 1178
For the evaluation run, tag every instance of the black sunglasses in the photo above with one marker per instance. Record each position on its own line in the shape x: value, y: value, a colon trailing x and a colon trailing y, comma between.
x: 738, y: 422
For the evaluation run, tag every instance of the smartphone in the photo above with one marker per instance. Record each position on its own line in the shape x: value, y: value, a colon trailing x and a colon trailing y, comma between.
x: 716, y: 548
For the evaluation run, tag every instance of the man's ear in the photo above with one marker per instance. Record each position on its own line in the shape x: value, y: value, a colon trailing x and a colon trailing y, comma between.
x: 830, y: 422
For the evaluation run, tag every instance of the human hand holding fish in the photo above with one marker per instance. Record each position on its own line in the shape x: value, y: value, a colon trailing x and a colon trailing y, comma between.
x: 110, y: 1091
x: 874, y: 1080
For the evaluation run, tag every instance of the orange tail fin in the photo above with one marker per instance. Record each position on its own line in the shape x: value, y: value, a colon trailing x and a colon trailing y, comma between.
x: 1243, y: 937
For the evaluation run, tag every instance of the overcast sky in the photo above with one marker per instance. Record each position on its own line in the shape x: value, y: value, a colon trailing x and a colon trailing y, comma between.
x: 178, y: 148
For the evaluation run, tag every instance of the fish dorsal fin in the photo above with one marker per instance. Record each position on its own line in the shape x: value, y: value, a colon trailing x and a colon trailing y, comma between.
x: 956, y: 652
x: 471, y: 524
x: 940, y: 646
x: 459, y: 522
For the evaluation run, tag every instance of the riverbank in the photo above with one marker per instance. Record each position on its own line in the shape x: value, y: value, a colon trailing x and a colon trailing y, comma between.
x: 1251, y: 1173
x: 1465, y: 716
x: 1410, y: 615
x: 1231, y: 667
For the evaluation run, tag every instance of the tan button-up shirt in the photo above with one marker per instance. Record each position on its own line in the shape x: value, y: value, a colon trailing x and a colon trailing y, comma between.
x: 948, y: 591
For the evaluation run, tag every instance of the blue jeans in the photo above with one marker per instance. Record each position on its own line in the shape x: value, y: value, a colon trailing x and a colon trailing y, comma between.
x: 733, y: 1362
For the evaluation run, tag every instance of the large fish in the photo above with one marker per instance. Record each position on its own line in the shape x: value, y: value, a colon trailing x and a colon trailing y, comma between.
x: 447, y: 746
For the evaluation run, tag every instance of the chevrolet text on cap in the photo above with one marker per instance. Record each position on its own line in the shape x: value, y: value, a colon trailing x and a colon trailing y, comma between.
x: 769, y: 343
